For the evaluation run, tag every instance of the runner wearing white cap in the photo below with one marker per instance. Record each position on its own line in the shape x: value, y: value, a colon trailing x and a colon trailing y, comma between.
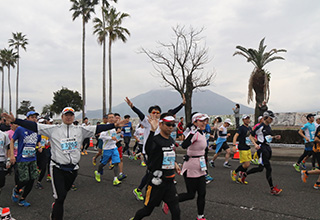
x: 221, y: 143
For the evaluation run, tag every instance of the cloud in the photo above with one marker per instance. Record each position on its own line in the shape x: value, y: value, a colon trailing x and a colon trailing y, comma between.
x: 53, y: 57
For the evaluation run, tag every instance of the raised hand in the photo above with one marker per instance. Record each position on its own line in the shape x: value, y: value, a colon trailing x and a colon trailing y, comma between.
x: 8, y: 117
x: 128, y: 102
x: 153, y: 122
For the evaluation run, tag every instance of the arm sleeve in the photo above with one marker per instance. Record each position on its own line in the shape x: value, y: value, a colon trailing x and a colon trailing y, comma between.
x: 149, y: 144
x: 30, y: 125
x: 105, y: 135
x: 104, y: 127
x: 175, y: 110
x: 138, y: 112
x: 187, y: 142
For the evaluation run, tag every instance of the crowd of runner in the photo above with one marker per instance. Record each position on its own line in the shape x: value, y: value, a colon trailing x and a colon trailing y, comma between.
x: 34, y: 149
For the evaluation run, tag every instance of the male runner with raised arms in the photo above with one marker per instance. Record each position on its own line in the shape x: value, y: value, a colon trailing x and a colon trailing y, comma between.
x: 153, y: 111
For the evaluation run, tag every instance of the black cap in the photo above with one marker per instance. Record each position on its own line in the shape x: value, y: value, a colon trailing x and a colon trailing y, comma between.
x: 310, y: 115
x: 268, y: 114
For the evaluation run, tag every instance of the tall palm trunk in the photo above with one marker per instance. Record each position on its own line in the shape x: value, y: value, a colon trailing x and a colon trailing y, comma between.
x: 110, y: 76
x: 9, y: 87
x: 83, y: 70
x: 104, y: 98
x: 17, y: 83
x: 2, y: 91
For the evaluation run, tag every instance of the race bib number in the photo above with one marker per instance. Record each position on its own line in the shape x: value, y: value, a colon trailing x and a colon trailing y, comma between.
x: 248, y: 141
x: 269, y: 138
x: 207, y: 136
x: 203, y: 164
x: 173, y: 135
x: 169, y: 158
x: 312, y: 135
x: 127, y: 130
x: 69, y: 145
x: 28, y: 152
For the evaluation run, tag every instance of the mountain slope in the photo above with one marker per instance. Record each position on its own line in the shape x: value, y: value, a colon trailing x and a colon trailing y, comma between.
x: 203, y: 101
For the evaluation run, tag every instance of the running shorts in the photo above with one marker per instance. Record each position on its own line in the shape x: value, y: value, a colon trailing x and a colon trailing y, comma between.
x: 245, y: 156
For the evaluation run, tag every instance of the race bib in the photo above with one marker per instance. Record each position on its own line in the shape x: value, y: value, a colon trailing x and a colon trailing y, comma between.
x: 28, y: 152
x: 203, y: 164
x: 141, y: 138
x: 312, y: 135
x: 268, y: 138
x: 207, y: 136
x: 248, y: 141
x: 169, y: 158
x: 173, y: 135
x: 69, y: 145
x: 127, y: 130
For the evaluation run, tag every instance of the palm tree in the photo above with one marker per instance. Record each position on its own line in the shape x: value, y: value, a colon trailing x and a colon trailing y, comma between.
x: 83, y: 8
x: 115, y: 31
x: 260, y: 77
x: 9, y: 59
x: 101, y: 32
x: 2, y: 79
x: 18, y: 40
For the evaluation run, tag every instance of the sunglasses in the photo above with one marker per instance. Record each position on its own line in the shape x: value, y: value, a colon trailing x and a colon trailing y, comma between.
x: 155, y: 112
x: 170, y: 124
x: 68, y: 110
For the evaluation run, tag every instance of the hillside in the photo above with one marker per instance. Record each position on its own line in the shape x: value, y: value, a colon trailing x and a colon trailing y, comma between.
x: 203, y: 101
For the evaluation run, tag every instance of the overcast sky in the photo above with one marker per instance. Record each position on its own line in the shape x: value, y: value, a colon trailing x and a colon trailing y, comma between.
x: 53, y: 57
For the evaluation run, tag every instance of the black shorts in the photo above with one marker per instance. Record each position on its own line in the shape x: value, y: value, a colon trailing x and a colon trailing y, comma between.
x: 224, y: 146
x: 165, y: 192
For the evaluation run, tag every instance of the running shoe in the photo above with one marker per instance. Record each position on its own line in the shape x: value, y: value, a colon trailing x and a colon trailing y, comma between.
x: 211, y: 163
x: 303, y: 165
x: 316, y: 186
x: 165, y: 208
x: 122, y: 176
x: 24, y: 203
x: 85, y: 152
x: 38, y: 185
x: 48, y: 178
x: 74, y: 188
x: 15, y: 195
x: 203, y: 218
x: 242, y: 178
x: 131, y: 218
x: 296, y: 167
x: 226, y: 165
x: 138, y: 194
x: 131, y: 157
x: 233, y: 175
x: 304, y: 176
x: 97, y: 176
x: 209, y: 179
x: 94, y: 161
x: 256, y: 161
x: 143, y: 164
x: 82, y: 153
x: 111, y: 166
x: 275, y: 191
x: 116, y: 182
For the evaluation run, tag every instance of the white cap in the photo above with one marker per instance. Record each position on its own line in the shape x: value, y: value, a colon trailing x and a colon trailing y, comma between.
x: 199, y: 117
x: 228, y: 121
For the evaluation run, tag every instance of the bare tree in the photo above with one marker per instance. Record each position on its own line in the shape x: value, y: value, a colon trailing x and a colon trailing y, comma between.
x: 181, y: 63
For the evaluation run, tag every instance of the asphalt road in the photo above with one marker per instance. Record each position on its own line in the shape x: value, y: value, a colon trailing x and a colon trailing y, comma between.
x: 224, y: 200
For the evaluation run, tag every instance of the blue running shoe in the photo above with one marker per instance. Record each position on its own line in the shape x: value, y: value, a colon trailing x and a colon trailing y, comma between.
x: 303, y: 165
x: 122, y: 176
x: 24, y: 203
x: 15, y: 195
x: 209, y: 179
